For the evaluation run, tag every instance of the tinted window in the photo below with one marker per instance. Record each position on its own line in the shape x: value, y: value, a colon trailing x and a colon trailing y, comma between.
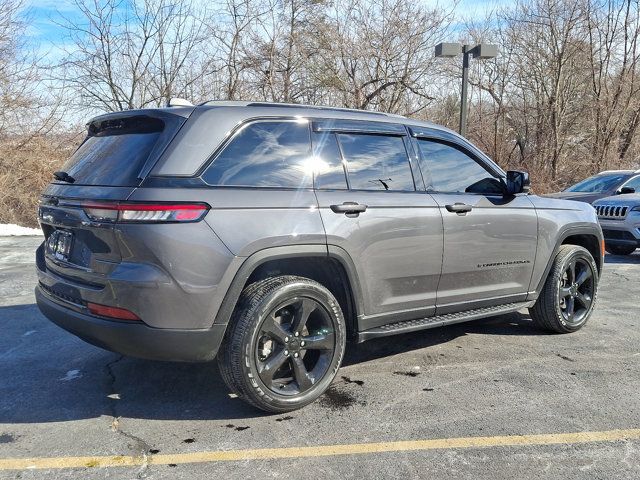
x: 448, y: 169
x: 329, y: 171
x: 115, y: 150
x: 376, y: 162
x: 265, y: 154
x: 598, y: 184
x: 634, y: 183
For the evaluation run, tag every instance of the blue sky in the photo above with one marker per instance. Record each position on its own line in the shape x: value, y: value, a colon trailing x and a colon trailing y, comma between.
x: 48, y: 37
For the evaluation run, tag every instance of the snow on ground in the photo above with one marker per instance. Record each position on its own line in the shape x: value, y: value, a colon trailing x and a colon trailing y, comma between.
x: 12, y: 230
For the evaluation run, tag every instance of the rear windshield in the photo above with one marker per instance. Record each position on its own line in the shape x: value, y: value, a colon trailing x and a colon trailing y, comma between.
x: 116, y: 149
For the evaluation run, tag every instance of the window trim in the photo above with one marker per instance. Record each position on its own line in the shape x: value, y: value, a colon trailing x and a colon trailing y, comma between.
x: 345, y: 161
x: 239, y: 129
x: 365, y: 127
x: 462, y: 147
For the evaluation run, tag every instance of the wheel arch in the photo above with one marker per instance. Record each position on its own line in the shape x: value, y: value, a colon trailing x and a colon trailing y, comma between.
x: 332, y: 267
x: 586, y: 236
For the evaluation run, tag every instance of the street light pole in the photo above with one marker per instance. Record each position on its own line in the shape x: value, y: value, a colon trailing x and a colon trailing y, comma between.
x: 450, y: 50
x: 466, y: 52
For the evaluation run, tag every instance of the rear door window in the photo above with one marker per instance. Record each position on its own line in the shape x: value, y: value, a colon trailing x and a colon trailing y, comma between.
x: 265, y: 154
x: 116, y: 149
x: 376, y: 162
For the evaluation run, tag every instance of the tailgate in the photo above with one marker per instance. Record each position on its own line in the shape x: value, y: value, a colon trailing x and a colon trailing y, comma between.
x: 75, y: 246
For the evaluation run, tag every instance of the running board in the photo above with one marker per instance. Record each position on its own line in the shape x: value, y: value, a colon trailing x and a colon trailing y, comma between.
x: 439, y: 320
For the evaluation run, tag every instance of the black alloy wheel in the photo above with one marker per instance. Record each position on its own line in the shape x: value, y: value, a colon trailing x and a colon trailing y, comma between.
x: 575, y: 293
x: 295, y: 346
x: 568, y: 296
x: 284, y: 344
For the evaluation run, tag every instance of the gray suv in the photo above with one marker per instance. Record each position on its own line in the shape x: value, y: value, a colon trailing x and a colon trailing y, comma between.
x: 268, y: 235
x: 620, y: 220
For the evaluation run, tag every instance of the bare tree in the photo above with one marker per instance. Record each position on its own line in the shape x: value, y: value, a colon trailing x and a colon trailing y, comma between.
x: 379, y: 53
x: 125, y: 56
x: 233, y: 31
x: 25, y: 106
x: 613, y: 28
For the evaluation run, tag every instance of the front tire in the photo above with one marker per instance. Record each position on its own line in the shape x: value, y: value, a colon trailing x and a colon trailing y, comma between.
x: 620, y: 249
x: 569, y: 293
x: 284, y: 344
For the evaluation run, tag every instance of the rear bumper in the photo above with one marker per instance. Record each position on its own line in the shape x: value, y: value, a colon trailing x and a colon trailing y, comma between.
x: 134, y: 339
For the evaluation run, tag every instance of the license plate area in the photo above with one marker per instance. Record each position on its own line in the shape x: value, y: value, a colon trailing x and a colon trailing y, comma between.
x: 59, y: 245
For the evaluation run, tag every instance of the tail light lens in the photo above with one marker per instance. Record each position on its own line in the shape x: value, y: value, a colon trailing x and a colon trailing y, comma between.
x: 123, y: 212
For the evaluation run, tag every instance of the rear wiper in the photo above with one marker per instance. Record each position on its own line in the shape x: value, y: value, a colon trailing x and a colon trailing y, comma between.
x: 64, y: 177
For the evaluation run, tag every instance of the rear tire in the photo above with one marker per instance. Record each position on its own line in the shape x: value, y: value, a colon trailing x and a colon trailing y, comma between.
x: 620, y: 249
x: 284, y: 344
x: 569, y: 293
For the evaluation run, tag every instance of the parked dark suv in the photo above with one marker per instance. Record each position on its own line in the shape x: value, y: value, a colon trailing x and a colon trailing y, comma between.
x: 267, y: 235
x: 604, y: 184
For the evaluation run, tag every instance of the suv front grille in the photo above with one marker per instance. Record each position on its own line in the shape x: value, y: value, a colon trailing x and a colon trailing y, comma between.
x: 611, y: 212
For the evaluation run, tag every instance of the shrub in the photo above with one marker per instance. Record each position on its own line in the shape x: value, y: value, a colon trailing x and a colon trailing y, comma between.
x: 26, y: 167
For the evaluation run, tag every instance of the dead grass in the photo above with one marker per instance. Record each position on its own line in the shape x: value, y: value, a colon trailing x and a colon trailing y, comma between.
x: 26, y: 167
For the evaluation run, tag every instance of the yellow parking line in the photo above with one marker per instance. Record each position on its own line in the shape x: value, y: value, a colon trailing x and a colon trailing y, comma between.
x: 320, y: 450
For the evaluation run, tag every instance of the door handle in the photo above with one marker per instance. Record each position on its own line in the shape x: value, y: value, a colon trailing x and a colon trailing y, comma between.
x: 350, y: 209
x: 459, y: 208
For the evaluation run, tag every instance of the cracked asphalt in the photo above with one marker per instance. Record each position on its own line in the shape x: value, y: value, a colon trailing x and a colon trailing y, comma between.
x: 60, y: 397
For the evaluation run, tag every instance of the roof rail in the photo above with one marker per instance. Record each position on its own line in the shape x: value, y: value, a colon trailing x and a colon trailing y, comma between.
x: 224, y: 103
x: 234, y: 103
x: 622, y: 170
x: 179, y: 102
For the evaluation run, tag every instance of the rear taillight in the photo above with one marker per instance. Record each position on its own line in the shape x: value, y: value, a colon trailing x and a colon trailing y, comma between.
x: 111, y: 312
x: 124, y: 212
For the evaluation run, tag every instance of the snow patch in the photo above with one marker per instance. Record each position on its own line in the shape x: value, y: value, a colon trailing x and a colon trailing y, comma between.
x: 13, y: 230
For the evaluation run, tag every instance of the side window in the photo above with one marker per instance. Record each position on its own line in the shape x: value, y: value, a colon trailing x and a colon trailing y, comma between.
x: 634, y: 183
x: 449, y: 169
x: 265, y: 154
x: 329, y: 170
x: 376, y: 162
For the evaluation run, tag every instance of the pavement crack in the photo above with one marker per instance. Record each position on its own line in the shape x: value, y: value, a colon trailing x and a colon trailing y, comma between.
x: 112, y: 395
x: 618, y: 274
x: 137, y: 444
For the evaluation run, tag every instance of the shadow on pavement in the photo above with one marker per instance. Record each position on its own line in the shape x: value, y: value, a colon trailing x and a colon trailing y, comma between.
x: 48, y: 375
x: 510, y: 324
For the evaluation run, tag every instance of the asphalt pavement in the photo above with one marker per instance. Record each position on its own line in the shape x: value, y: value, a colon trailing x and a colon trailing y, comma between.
x: 451, y: 402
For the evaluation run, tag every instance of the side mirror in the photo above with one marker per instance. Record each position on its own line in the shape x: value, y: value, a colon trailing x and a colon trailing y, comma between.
x: 517, y: 182
x: 626, y: 190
